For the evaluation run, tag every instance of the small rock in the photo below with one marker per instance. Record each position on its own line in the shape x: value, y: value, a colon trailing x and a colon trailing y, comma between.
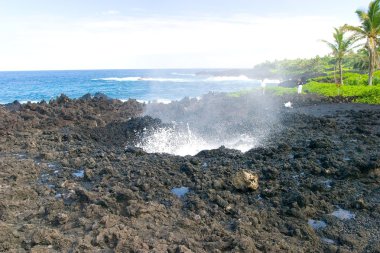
x: 183, y: 249
x: 84, y: 195
x: 47, y: 156
x: 360, y: 204
x: 91, y: 163
x: 61, y: 218
x: 244, y: 180
x: 218, y: 184
x: 134, y: 150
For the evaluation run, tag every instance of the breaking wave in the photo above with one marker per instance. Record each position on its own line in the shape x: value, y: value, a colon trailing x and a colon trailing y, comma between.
x: 144, y: 79
x: 229, y: 78
x: 157, y: 101
x: 182, y: 74
x: 241, y: 78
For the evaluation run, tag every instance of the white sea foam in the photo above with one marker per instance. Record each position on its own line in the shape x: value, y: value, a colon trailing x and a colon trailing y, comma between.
x: 183, y: 142
x: 229, y: 78
x: 119, y: 79
x: 146, y: 79
x: 182, y: 74
x: 156, y: 101
x: 271, y: 81
x: 31, y: 101
x: 161, y: 101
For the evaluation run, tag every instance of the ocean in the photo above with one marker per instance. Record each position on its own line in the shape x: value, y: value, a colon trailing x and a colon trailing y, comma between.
x: 144, y: 85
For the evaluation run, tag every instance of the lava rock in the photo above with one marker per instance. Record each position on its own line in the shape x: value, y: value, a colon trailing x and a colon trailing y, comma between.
x: 245, y: 180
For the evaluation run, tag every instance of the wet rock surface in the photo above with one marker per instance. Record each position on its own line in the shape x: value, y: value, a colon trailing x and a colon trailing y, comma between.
x: 71, y: 180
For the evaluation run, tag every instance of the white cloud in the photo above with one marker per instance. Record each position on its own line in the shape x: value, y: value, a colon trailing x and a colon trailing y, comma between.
x: 241, y: 41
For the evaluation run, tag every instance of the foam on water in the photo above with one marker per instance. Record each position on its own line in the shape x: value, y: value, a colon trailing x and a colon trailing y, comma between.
x: 27, y: 101
x: 119, y: 84
x: 177, y: 141
x: 157, y: 101
x: 182, y: 74
x: 271, y: 81
x: 229, y: 78
x: 139, y: 79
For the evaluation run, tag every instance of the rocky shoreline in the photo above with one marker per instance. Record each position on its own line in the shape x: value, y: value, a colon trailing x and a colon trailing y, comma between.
x: 69, y: 184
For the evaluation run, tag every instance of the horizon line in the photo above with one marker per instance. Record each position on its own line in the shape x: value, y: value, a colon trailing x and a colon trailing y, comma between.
x: 95, y: 69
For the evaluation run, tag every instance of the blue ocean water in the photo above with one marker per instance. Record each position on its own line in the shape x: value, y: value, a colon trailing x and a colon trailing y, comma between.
x: 146, y: 85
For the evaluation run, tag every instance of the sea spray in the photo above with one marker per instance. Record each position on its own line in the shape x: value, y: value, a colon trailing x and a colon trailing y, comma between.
x: 183, y: 141
x: 213, y: 121
x: 173, y: 140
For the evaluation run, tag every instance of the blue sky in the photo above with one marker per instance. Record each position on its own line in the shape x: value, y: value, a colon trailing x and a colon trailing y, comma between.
x: 95, y: 34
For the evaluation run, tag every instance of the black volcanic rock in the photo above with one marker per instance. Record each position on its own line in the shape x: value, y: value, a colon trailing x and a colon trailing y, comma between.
x: 70, y: 181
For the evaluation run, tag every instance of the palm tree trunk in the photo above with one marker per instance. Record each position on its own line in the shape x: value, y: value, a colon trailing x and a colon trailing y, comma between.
x: 341, y: 71
x: 335, y: 74
x: 371, y: 69
x: 372, y: 61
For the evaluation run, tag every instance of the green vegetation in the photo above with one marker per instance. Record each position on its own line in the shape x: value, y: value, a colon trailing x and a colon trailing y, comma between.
x: 355, y: 86
x: 362, y: 94
x: 353, y: 62
x: 272, y: 90
x: 319, y: 73
x: 366, y: 59
x: 341, y: 46
x: 369, y: 30
x: 294, y: 69
x: 349, y: 79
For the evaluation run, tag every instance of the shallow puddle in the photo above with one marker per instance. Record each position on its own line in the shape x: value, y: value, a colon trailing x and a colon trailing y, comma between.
x: 343, y: 214
x: 21, y: 156
x: 180, y: 191
x: 328, y: 241
x: 327, y: 183
x: 79, y: 174
x: 317, y: 224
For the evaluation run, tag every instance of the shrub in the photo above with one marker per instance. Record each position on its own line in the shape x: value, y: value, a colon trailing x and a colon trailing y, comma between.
x: 349, y: 78
x: 363, y: 93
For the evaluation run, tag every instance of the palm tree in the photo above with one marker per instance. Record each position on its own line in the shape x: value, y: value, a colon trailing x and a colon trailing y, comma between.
x: 340, y: 47
x: 369, y: 30
x: 361, y: 60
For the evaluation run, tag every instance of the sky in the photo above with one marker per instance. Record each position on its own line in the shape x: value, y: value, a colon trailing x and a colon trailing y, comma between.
x: 151, y: 34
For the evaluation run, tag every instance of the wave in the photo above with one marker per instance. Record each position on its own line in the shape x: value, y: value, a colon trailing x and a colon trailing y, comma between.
x: 182, y: 74
x: 271, y: 81
x: 31, y: 101
x: 229, y: 78
x: 240, y: 78
x: 146, y: 79
x: 156, y: 101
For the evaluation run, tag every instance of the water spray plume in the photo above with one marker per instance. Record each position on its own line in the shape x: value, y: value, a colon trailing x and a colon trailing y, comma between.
x: 215, y: 120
